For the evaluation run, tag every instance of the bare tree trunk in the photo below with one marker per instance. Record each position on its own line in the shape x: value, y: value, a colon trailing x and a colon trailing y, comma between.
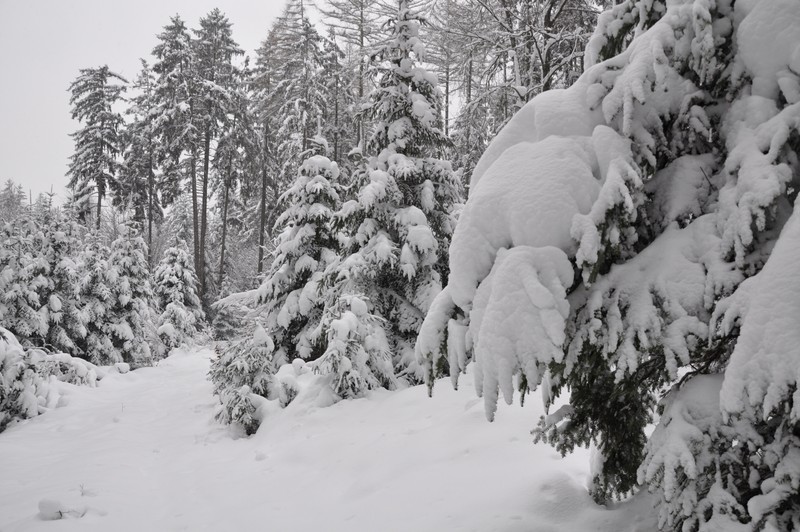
x: 150, y: 187
x: 262, y: 223
x: 195, y: 220
x: 224, y: 226
x: 204, y: 212
x: 99, y: 207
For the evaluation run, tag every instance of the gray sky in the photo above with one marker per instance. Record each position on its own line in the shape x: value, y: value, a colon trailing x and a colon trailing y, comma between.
x: 43, y: 43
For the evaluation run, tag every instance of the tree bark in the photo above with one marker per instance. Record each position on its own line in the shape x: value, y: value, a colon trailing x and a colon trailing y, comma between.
x: 204, y: 211
x: 263, y: 215
x: 224, y: 226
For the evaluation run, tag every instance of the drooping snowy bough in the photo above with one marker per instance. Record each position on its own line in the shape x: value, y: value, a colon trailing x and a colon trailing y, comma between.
x: 631, y: 235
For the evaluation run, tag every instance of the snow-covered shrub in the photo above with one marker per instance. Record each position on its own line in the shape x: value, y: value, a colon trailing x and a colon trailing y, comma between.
x: 39, y: 284
x: 242, y: 369
x: 28, y: 378
x: 358, y: 356
x: 663, y: 178
x: 175, y: 288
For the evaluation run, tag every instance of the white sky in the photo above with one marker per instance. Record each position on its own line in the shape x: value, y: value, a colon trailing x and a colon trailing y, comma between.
x: 43, y: 43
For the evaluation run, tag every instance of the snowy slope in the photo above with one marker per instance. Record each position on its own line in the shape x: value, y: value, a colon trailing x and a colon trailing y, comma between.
x: 142, y: 452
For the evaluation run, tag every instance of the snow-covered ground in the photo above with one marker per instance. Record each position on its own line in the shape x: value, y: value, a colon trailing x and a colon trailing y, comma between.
x: 143, y: 452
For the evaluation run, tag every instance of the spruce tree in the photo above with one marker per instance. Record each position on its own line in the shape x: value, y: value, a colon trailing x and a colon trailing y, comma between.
x: 98, y: 299
x: 94, y: 166
x: 292, y: 293
x: 129, y: 313
x: 402, y: 218
x: 12, y: 201
x: 217, y: 75
x: 175, y: 287
x: 634, y: 234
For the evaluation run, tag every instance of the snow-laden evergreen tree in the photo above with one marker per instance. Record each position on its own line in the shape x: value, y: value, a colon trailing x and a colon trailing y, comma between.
x: 357, y: 355
x: 243, y: 376
x: 137, y: 180
x: 98, y: 298
x: 173, y: 97
x: 218, y: 75
x: 175, y: 286
x: 303, y: 93
x: 27, y: 378
x: 12, y: 201
x: 22, y: 277
x: 129, y: 315
x: 40, y: 284
x: 56, y: 245
x: 293, y: 292
x: 635, y: 228
x: 94, y: 166
x: 403, y: 215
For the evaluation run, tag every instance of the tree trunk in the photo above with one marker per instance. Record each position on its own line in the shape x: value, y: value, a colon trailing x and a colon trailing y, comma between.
x: 150, y: 186
x: 224, y: 226
x: 195, y: 222
x: 262, y: 223
x: 204, y: 212
x: 99, y: 207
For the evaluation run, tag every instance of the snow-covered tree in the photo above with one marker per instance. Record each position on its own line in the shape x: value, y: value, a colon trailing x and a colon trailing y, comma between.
x: 357, y: 354
x: 137, y: 180
x: 604, y: 250
x: 292, y: 294
x: 40, y: 300
x: 12, y: 201
x: 94, y: 166
x: 130, y: 311
x: 402, y: 216
x: 27, y: 378
x: 242, y: 373
x: 98, y: 297
x: 175, y: 287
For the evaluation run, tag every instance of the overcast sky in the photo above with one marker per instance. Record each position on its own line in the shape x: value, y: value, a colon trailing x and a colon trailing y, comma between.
x: 43, y: 43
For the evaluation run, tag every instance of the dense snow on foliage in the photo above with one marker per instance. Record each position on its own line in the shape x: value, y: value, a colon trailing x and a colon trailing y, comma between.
x: 29, y: 378
x: 175, y: 288
x: 636, y: 227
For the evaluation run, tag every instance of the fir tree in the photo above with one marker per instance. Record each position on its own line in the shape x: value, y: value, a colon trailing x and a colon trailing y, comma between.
x: 98, y: 298
x: 12, y: 201
x: 94, y: 166
x: 666, y: 264
x: 402, y: 217
x: 293, y: 292
x: 129, y: 313
x: 175, y: 287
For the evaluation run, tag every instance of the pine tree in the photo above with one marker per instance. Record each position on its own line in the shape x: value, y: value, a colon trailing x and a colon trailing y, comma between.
x: 646, y: 243
x: 175, y: 287
x: 94, y: 166
x: 176, y: 98
x: 98, y: 298
x: 214, y: 51
x: 292, y: 293
x: 402, y: 217
x: 22, y: 276
x: 12, y: 201
x: 137, y: 180
x: 129, y: 313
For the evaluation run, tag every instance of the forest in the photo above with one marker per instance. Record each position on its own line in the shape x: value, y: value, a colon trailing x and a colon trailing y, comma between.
x: 591, y: 200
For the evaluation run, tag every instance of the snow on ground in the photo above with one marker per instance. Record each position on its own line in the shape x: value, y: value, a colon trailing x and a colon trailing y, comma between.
x: 142, y: 452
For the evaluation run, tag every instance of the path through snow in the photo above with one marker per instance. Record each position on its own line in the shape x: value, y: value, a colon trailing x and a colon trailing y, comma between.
x: 142, y: 452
